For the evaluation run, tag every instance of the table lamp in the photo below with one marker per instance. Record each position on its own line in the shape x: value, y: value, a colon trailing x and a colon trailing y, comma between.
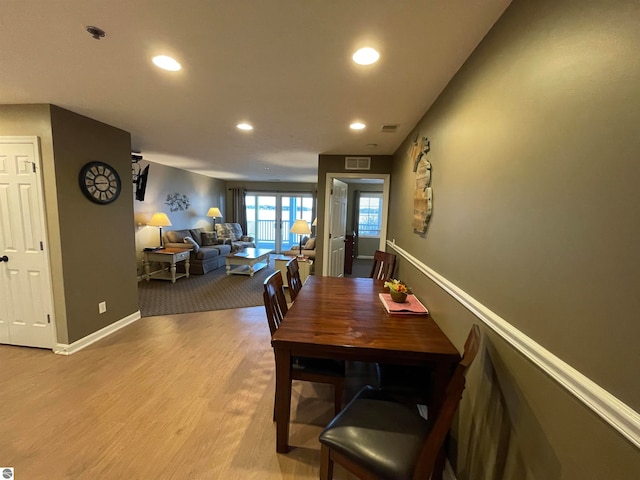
x: 214, y: 212
x: 301, y: 227
x: 160, y: 220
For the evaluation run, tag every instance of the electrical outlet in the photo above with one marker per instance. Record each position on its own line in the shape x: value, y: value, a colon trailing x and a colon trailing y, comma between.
x: 102, y: 307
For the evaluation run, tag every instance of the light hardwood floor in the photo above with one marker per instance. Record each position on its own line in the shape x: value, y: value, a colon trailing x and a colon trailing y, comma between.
x: 184, y: 396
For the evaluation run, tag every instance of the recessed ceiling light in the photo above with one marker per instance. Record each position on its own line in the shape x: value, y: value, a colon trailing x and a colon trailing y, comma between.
x: 244, y: 126
x: 166, y: 63
x: 366, y: 56
x: 357, y: 126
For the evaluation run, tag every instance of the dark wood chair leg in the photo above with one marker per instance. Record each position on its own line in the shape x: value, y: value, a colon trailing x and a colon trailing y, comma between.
x: 326, y: 464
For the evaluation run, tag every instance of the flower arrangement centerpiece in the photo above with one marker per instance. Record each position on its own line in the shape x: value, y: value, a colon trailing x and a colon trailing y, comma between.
x: 398, y: 290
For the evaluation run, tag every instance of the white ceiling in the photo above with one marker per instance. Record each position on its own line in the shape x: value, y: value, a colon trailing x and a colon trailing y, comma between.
x: 283, y: 65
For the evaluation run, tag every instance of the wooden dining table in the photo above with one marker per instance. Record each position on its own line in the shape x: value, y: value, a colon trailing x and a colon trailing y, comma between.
x: 343, y: 318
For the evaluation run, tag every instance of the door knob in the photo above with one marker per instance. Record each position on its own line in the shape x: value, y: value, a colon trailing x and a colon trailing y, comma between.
x: 4, y: 259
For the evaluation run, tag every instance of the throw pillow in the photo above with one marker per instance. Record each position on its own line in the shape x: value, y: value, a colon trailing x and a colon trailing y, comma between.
x: 237, y: 231
x: 225, y: 232
x: 310, y: 245
x: 196, y: 234
x: 192, y: 243
x: 208, y: 239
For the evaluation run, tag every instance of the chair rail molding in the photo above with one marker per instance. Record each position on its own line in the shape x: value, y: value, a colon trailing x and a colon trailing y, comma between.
x: 613, y: 411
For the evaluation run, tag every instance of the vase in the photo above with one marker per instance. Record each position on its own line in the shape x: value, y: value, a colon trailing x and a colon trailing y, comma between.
x: 398, y: 297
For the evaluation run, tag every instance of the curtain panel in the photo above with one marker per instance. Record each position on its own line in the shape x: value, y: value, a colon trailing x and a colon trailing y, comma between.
x: 239, y: 207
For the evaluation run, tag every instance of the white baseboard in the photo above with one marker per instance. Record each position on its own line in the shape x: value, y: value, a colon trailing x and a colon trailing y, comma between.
x: 613, y: 411
x: 64, y: 349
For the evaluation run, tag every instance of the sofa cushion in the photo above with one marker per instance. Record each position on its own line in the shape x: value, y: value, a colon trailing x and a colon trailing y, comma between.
x: 177, y: 236
x: 207, y: 252
x: 192, y: 242
x: 237, y: 230
x: 224, y: 249
x: 209, y: 238
x: 196, y: 234
x: 310, y: 245
x: 226, y: 232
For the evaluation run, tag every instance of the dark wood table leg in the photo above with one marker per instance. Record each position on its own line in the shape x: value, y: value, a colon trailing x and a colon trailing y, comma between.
x: 283, y: 399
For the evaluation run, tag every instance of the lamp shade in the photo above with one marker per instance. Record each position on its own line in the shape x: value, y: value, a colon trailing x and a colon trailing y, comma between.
x: 214, y: 212
x: 159, y: 220
x: 301, y: 227
x: 315, y: 222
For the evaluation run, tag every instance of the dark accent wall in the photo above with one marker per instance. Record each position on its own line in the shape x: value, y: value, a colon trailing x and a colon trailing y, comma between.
x: 534, y: 152
x: 97, y: 242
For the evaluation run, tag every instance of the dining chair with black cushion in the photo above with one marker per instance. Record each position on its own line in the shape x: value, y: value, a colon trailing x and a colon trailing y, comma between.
x: 375, y: 436
x: 384, y: 265
x: 317, y: 370
x: 293, y: 278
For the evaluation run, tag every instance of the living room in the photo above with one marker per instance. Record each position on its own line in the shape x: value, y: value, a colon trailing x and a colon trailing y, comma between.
x: 533, y: 234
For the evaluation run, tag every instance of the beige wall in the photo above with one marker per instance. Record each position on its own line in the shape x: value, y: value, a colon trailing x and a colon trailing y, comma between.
x: 91, y: 245
x: 534, y: 151
x: 27, y: 120
x: 203, y: 193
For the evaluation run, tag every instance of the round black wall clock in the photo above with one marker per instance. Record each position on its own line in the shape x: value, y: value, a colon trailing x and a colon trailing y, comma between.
x: 100, y: 182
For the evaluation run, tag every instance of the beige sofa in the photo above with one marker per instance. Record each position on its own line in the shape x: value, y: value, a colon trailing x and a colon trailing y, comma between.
x: 231, y: 234
x: 308, y: 248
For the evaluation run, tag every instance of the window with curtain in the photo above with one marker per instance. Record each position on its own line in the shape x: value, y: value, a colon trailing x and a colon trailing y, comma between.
x: 370, y: 214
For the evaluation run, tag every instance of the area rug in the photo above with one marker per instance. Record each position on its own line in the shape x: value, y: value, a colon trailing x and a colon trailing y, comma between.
x: 214, y: 291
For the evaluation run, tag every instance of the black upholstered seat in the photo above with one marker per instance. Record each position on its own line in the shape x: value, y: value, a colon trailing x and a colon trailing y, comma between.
x: 375, y: 436
x: 378, y: 433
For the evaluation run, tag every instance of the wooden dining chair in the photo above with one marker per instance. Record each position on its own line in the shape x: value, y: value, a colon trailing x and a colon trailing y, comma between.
x: 293, y: 278
x: 317, y: 370
x: 384, y: 265
x: 377, y: 437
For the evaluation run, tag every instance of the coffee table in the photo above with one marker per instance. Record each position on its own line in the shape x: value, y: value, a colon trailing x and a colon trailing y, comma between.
x: 247, y: 261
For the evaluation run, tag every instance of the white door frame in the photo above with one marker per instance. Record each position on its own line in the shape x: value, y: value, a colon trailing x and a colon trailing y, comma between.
x: 385, y: 177
x: 46, y: 274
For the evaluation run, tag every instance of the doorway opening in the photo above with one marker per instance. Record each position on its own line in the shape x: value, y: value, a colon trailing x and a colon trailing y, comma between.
x: 367, y: 209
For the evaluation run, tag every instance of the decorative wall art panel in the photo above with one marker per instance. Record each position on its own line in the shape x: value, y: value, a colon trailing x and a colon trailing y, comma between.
x: 423, y: 195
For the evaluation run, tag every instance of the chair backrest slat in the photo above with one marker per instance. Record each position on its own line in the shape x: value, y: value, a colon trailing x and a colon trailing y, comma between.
x: 275, y: 303
x: 384, y: 265
x: 293, y: 278
x: 442, y: 424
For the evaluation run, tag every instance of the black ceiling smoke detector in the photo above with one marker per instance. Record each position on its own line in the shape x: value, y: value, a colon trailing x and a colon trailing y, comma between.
x: 96, y: 32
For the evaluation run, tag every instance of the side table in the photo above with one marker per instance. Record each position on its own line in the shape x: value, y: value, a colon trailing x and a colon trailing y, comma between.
x: 304, y: 265
x: 167, y: 255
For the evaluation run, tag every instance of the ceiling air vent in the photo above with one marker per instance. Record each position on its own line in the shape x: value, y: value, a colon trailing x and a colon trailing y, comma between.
x: 357, y: 163
x: 389, y: 128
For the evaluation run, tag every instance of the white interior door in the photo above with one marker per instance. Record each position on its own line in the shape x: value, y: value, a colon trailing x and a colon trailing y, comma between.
x: 338, y: 226
x: 25, y: 287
